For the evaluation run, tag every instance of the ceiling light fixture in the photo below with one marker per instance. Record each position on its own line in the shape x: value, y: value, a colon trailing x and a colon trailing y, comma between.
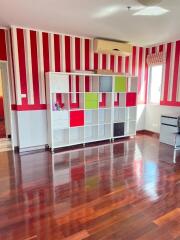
x: 151, y: 11
x: 150, y: 2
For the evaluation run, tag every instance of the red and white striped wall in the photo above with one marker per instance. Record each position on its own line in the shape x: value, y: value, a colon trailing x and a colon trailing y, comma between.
x: 3, y: 52
x: 170, y: 89
x: 36, y: 52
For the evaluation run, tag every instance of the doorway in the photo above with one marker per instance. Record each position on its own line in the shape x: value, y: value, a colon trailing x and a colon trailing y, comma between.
x: 2, y: 118
x: 5, y: 107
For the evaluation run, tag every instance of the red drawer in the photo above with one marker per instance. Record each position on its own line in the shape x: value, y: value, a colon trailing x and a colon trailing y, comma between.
x: 130, y: 99
x: 76, y: 118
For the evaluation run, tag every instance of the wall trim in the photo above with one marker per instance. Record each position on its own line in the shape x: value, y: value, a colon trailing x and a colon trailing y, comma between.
x: 149, y: 133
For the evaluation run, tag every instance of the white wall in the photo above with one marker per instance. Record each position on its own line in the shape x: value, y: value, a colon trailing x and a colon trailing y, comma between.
x: 141, y: 113
x: 153, y: 114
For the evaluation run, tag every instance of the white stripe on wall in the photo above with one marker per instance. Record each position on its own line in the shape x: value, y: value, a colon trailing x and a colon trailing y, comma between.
x: 51, y: 52
x: 142, y: 90
x: 16, y: 66
x: 130, y: 65
x: 116, y: 63
x: 163, y: 74
x: 171, y: 74
x: 99, y: 60
x: 28, y: 58
x: 10, y: 65
x: 123, y: 64
x: 91, y: 54
x: 41, y: 68
x: 108, y: 61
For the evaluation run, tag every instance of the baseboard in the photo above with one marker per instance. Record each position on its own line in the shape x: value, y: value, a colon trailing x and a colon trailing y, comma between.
x: 149, y: 133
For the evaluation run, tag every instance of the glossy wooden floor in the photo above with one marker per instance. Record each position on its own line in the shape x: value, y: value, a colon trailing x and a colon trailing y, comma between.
x: 126, y: 190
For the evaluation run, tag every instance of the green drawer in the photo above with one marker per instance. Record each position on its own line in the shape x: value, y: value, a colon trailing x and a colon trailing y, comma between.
x: 120, y: 84
x: 91, y: 100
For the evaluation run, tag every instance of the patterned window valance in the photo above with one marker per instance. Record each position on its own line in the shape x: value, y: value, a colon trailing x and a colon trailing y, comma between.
x: 156, y: 58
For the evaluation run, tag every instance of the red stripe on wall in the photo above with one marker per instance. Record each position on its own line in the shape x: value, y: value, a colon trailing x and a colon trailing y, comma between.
x: 146, y: 76
x: 22, y: 63
x: 153, y: 49
x: 45, y: 51
x: 161, y: 48
x: 34, y: 57
x: 134, y: 61
x: 57, y: 53
x: 3, y: 54
x: 25, y: 107
x: 77, y: 53
x: 127, y: 65
x: 176, y: 70
x: 104, y: 61
x: 68, y: 53
x: 95, y: 61
x: 140, y: 69
x: 119, y: 64
x: 87, y: 54
x: 167, y: 71
x: 112, y: 62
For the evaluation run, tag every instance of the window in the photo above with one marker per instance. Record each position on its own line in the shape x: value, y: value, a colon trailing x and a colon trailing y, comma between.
x: 155, y: 79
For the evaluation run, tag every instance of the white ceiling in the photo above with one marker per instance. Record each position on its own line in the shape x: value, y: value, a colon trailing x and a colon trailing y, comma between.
x: 94, y: 18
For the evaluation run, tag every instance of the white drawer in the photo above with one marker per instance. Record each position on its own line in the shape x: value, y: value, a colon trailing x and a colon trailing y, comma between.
x: 169, y: 121
x: 167, y: 134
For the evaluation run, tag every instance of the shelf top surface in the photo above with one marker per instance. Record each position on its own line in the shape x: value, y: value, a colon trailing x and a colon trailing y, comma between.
x: 90, y: 74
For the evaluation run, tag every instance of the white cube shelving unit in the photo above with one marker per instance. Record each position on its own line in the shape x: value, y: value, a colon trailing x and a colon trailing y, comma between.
x: 84, y: 107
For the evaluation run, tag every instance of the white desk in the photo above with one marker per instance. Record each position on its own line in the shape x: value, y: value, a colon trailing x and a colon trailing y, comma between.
x: 169, y: 132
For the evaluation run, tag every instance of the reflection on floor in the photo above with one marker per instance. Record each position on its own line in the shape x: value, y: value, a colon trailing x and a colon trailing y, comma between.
x: 2, y: 129
x: 126, y: 190
x: 5, y: 145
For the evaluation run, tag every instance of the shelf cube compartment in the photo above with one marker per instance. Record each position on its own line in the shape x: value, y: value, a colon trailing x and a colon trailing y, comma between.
x: 131, y: 128
x: 76, y: 100
x: 119, y: 129
x: 60, y: 119
x: 104, y: 116
x: 60, y: 101
x: 104, y: 131
x: 105, y: 84
x: 60, y: 137
x: 91, y: 117
x: 119, y: 99
x: 120, y: 84
x: 91, y: 133
x: 76, y: 118
x: 76, y: 135
x: 130, y: 99
x: 132, y: 84
x: 91, y: 84
x: 119, y: 115
x: 57, y: 83
x: 91, y: 100
x: 131, y: 113
x: 76, y: 84
x: 105, y: 100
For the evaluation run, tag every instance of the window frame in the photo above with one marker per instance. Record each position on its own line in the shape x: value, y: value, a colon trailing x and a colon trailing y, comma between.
x: 150, y: 82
